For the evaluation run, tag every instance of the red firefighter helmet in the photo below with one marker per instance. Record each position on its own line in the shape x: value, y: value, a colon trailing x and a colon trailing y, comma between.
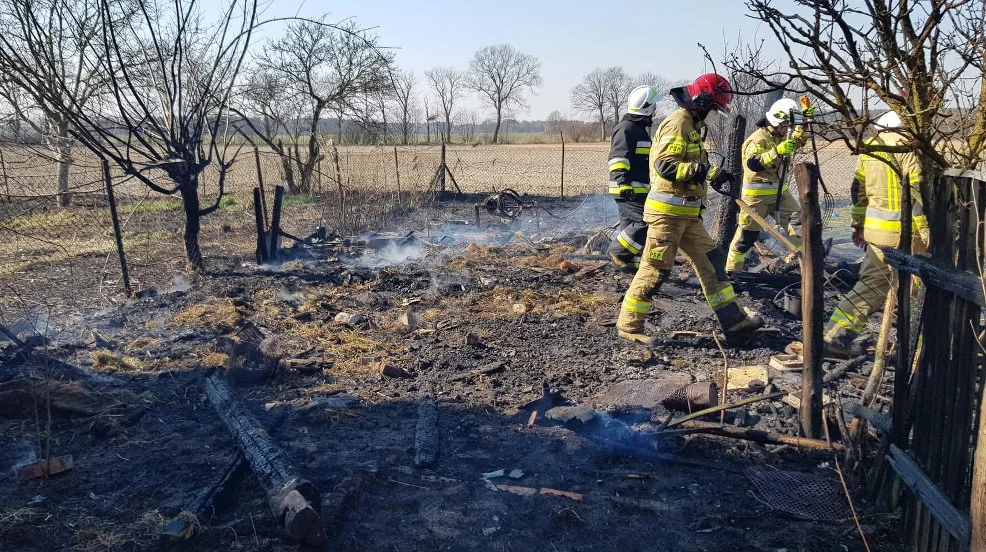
x: 711, y: 91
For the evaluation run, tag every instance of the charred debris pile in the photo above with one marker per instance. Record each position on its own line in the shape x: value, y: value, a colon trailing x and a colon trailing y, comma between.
x: 456, y: 362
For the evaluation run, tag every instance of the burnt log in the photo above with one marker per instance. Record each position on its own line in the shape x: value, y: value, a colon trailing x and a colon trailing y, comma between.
x: 426, y: 435
x: 962, y: 283
x: 294, y: 501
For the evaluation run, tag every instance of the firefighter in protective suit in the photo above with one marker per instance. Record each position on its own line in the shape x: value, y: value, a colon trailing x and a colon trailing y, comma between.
x: 764, y: 152
x: 680, y: 177
x: 876, y: 196
x: 629, y: 177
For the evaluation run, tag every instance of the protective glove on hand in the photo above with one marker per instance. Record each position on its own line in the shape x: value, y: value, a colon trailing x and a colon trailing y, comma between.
x: 798, y: 132
x: 721, y: 181
x: 786, y: 147
x: 629, y: 195
x: 808, y: 112
x: 857, y: 238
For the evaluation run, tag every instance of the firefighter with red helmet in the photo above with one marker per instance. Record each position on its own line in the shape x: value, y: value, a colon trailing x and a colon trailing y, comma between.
x: 680, y: 176
x: 629, y: 177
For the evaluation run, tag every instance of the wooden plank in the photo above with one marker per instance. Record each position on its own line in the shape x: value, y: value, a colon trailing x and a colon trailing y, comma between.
x: 962, y: 283
x: 956, y: 522
x: 977, y: 507
x: 964, y: 173
x: 762, y: 222
x: 812, y: 293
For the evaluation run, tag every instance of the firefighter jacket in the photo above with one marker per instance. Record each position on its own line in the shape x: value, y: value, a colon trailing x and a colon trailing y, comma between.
x: 679, y: 166
x: 628, y: 156
x: 762, y: 165
x: 876, y: 192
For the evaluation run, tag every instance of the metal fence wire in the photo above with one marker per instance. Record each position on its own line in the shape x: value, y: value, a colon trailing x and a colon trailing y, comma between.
x: 59, y: 248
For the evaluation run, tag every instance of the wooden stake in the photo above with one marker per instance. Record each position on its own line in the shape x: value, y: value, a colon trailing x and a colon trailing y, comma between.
x: 812, y: 289
x: 879, y: 365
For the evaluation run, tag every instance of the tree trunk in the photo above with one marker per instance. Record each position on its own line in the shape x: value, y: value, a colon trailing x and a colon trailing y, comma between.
x: 63, y: 146
x: 496, y: 129
x: 189, y: 192
x: 286, y: 166
x: 602, y: 126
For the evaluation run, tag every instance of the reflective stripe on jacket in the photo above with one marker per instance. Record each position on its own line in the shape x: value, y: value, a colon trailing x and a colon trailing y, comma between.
x: 628, y: 155
x: 761, y: 148
x: 877, y: 204
x: 677, y: 140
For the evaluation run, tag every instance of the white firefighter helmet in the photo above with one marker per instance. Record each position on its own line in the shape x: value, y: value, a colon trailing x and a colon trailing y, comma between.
x: 889, y: 120
x: 642, y: 100
x: 780, y: 112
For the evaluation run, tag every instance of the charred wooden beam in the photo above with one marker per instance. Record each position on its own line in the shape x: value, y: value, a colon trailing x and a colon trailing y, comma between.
x: 293, y: 500
x: 962, y: 283
x: 956, y: 522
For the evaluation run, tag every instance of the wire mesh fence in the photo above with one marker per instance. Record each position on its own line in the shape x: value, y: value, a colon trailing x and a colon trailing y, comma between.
x: 63, y: 259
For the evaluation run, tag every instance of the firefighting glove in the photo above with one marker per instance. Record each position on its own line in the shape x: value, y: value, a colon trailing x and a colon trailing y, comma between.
x: 808, y: 112
x: 628, y: 195
x: 786, y: 147
x: 798, y: 132
x: 722, y: 182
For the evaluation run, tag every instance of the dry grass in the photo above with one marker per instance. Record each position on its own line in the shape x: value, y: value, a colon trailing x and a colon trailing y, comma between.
x: 217, y: 314
x: 15, y: 517
x: 215, y: 360
x: 141, y: 343
x: 346, y: 347
x: 107, y: 361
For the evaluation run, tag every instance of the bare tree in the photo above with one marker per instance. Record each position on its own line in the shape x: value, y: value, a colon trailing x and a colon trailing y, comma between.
x: 468, y: 123
x: 165, y: 109
x: 618, y: 86
x: 556, y: 123
x: 448, y: 83
x: 924, y: 60
x: 589, y: 96
x: 406, y: 101
x: 321, y: 68
x: 662, y: 83
x: 501, y: 75
x: 70, y: 34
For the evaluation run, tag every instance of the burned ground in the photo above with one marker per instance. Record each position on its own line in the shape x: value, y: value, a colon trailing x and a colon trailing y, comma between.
x: 478, y: 322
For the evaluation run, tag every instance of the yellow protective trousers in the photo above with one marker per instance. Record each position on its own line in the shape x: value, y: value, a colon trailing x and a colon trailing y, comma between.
x: 866, y: 297
x: 665, y: 235
x: 748, y: 231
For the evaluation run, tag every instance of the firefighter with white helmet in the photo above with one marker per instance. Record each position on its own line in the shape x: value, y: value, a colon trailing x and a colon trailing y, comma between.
x: 876, y: 197
x: 680, y: 176
x: 763, y: 154
x: 629, y: 177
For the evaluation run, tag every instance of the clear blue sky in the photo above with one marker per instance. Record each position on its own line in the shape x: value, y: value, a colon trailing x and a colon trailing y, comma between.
x: 570, y: 38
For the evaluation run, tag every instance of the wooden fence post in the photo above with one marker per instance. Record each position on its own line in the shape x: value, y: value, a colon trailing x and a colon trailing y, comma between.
x: 812, y: 289
x: 259, y: 217
x: 117, y: 231
x: 260, y: 184
x: 562, y: 134
x: 397, y: 169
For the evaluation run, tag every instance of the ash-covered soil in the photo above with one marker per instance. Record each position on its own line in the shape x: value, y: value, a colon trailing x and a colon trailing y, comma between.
x: 481, y: 321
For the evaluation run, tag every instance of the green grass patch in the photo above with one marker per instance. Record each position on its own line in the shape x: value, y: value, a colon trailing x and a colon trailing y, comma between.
x: 162, y: 205
x: 298, y: 200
